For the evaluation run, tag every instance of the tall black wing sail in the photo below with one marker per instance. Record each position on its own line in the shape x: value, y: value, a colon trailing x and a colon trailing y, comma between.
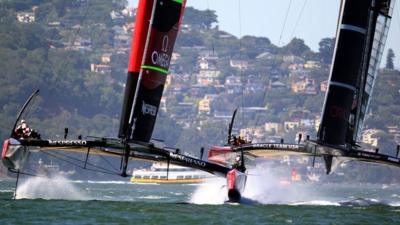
x: 159, y: 47
x: 378, y: 29
x: 360, y: 41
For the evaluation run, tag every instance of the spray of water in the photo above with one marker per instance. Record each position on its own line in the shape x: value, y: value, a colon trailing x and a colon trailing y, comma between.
x: 212, y: 192
x: 54, y: 187
x: 264, y: 186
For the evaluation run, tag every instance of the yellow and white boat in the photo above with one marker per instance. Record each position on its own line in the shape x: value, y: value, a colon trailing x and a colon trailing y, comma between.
x: 157, y: 173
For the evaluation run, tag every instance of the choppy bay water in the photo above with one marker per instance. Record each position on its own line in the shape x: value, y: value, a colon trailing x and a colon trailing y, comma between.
x: 57, y: 200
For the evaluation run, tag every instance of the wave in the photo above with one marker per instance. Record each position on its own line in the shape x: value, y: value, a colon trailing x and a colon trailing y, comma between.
x: 153, y: 197
x: 317, y: 202
x: 107, y: 182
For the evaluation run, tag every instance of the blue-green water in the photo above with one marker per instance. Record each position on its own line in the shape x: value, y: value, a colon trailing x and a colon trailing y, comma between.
x: 59, y: 201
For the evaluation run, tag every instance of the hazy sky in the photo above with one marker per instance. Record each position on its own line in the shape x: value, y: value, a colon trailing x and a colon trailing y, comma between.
x: 267, y: 17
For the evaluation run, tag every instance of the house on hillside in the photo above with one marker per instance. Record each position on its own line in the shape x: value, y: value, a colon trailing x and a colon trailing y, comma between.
x: 239, y: 64
x: 208, y: 77
x: 271, y: 127
x: 26, y: 17
x: 106, y: 58
x: 275, y: 83
x: 369, y: 136
x: 233, y: 85
x: 305, y: 86
x: 312, y: 65
x: 323, y: 87
x: 100, y: 68
x: 204, y: 106
x: 290, y: 125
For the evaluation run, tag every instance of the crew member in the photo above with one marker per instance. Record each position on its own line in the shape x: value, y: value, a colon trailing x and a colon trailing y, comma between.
x: 24, y: 131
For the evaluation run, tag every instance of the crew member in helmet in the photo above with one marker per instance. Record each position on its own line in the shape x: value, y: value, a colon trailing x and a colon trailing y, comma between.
x: 24, y: 131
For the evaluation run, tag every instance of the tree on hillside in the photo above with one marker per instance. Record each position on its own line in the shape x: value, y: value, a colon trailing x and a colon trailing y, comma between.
x: 389, y: 59
x: 295, y: 47
x: 326, y: 48
x: 202, y: 19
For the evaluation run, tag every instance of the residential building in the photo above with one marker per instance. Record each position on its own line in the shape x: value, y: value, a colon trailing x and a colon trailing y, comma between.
x: 208, y: 77
x: 100, y: 68
x: 239, y: 64
x: 323, y: 86
x: 26, y: 17
x: 271, y: 127
x: 291, y: 125
x: 306, y: 86
x: 312, y: 64
x: 369, y: 136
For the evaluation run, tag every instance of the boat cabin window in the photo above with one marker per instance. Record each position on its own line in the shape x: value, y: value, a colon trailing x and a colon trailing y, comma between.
x: 146, y: 177
x: 179, y: 177
x: 138, y: 176
x: 188, y: 177
x: 154, y: 177
x: 163, y: 177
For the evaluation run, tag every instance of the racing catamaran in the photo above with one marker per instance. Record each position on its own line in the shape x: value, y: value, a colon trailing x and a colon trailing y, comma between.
x: 361, y: 35
x: 156, y: 29
x: 360, y: 40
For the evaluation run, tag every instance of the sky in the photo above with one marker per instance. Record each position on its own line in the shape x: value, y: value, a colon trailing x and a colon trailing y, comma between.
x: 310, y: 20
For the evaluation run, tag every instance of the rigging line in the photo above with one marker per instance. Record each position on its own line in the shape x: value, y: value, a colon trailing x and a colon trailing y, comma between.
x: 240, y: 58
x: 79, y: 166
x: 298, y: 19
x: 284, y: 22
x: 88, y: 163
x: 398, y: 15
x: 72, y: 158
x: 108, y: 162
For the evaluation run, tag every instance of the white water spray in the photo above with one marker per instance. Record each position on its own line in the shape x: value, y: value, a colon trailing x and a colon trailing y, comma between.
x: 264, y: 186
x: 211, y: 192
x: 54, y: 187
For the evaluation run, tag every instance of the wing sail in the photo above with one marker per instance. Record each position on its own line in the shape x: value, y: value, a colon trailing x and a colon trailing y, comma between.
x: 360, y: 41
x: 163, y: 31
x: 379, y: 26
x: 142, y: 24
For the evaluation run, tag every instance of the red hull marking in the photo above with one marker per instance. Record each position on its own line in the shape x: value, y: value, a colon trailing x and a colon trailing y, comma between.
x: 231, y: 179
x: 142, y: 25
x: 5, y: 147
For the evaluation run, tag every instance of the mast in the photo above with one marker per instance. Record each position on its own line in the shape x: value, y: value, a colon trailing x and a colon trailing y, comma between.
x: 350, y: 83
x: 165, y: 21
x: 139, y: 38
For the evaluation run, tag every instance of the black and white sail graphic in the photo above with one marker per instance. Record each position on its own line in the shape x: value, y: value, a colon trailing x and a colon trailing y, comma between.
x: 359, y: 45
